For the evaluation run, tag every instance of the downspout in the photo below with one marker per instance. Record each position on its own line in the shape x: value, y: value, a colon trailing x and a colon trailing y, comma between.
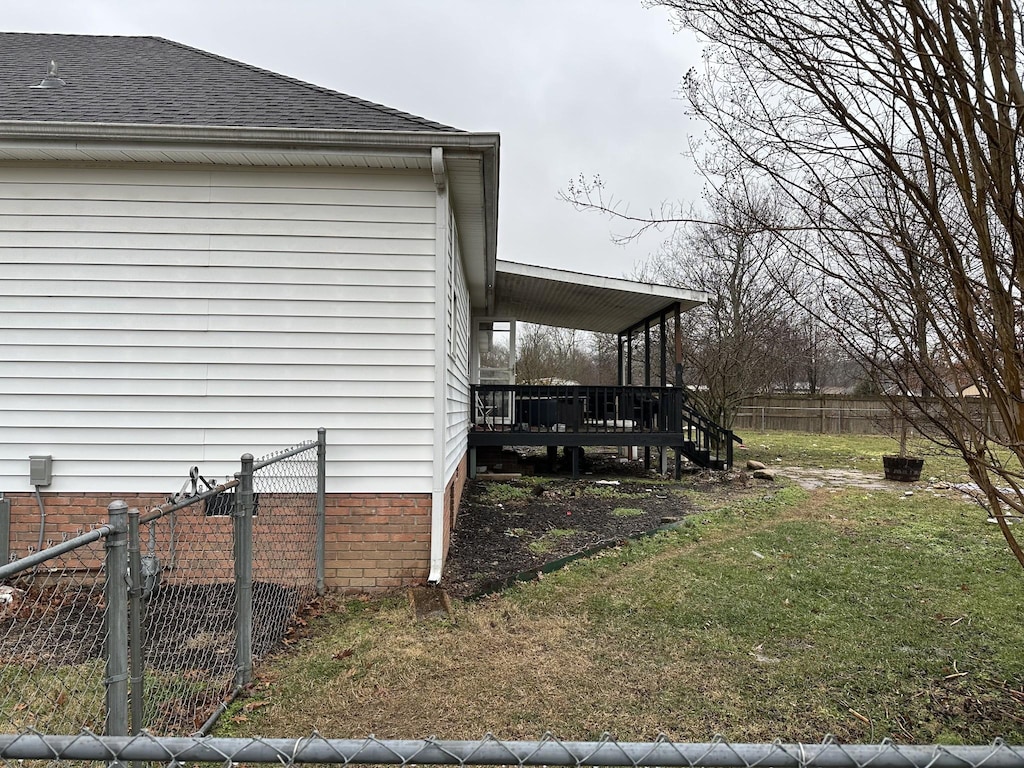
x: 440, y: 364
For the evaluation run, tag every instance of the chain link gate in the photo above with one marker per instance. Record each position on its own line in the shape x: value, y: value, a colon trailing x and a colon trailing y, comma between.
x: 209, y: 582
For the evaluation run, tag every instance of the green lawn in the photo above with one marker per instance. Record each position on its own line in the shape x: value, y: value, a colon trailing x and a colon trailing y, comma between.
x: 775, y: 613
x: 861, y: 452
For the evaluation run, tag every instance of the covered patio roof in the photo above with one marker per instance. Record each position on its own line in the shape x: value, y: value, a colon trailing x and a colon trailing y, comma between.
x: 575, y: 300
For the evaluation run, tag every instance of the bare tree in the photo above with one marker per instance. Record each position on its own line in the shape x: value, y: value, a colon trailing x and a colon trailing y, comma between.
x: 545, y: 353
x: 894, y: 131
x: 731, y: 344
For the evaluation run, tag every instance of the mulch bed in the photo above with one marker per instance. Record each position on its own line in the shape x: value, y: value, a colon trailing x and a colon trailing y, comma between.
x: 539, y: 521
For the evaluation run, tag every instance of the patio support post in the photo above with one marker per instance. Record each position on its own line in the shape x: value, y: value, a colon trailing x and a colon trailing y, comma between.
x: 647, y: 354
x: 664, y: 349
x: 647, y: 383
x: 629, y: 359
x: 681, y: 397
x: 620, y: 380
x: 679, y: 349
x: 663, y: 381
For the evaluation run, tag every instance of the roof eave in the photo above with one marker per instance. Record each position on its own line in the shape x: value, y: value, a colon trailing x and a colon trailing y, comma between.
x: 15, y: 130
x: 587, y: 302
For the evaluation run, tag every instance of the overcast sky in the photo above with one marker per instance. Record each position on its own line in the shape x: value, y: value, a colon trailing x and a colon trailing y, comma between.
x: 572, y: 86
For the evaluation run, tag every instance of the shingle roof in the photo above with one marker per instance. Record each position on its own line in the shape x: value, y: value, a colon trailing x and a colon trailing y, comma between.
x: 149, y: 80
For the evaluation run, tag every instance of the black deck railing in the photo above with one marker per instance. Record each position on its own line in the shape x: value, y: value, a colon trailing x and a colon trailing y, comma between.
x: 528, y: 414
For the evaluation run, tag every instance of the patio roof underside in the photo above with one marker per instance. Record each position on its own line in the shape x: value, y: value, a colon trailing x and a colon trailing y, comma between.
x: 574, y: 300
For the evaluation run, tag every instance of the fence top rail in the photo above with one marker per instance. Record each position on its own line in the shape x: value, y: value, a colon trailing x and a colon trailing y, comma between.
x: 492, y: 751
x: 30, y: 561
x: 173, y: 506
x: 285, y: 454
x: 575, y: 388
x: 816, y: 408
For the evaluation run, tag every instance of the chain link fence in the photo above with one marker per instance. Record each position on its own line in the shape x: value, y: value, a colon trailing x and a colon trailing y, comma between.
x: 200, y: 588
x: 88, y: 747
x: 53, y: 617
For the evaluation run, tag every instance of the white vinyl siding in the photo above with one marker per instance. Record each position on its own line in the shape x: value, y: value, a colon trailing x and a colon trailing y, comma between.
x: 152, y: 319
x: 457, y: 415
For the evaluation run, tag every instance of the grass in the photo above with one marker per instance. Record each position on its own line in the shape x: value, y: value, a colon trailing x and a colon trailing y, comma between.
x: 774, y: 613
x: 859, y: 452
x: 627, y: 512
x: 549, y: 540
x: 51, y: 698
x: 509, y: 492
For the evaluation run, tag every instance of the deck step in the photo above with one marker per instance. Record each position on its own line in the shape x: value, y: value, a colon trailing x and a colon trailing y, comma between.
x: 700, y: 457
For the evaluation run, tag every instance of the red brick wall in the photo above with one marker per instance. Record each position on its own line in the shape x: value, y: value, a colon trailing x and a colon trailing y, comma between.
x: 373, y: 541
x: 376, y: 541
x: 67, y: 516
x: 202, y: 545
x: 452, y: 500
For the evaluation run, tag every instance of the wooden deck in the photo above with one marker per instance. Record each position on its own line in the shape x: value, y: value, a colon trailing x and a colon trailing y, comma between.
x: 576, y: 416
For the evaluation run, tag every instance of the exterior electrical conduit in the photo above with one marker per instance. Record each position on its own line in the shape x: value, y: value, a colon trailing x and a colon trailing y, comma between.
x: 42, y: 519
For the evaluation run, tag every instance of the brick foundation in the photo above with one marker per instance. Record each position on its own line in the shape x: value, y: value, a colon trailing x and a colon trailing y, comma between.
x: 376, y: 541
x: 67, y: 516
x: 373, y: 541
x: 452, y: 500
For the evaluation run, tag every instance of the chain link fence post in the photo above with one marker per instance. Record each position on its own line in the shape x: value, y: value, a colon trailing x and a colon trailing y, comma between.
x: 321, y: 492
x: 116, y: 594
x: 135, y: 649
x: 242, y: 531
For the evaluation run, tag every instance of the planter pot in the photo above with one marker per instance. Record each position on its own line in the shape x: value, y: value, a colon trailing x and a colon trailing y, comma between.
x: 905, y: 469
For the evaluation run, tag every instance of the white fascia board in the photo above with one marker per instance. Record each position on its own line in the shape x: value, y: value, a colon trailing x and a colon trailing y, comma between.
x: 684, y: 295
x: 17, y: 130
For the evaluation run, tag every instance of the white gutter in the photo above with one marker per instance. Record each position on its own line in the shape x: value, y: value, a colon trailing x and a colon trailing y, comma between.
x: 235, y: 136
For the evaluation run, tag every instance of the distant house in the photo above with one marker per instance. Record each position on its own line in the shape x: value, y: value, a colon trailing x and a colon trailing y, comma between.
x: 200, y: 258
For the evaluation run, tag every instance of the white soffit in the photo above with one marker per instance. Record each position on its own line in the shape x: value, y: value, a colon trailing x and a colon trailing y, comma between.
x: 575, y: 300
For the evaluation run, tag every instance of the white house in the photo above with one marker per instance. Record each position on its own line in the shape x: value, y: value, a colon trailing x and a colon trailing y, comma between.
x: 200, y: 258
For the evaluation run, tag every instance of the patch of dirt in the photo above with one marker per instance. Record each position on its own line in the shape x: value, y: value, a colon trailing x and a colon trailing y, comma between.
x: 837, y: 479
x: 518, y: 526
x: 185, y: 626
x: 192, y: 626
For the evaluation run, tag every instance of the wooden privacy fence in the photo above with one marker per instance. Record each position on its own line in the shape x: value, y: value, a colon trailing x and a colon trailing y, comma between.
x: 828, y: 414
